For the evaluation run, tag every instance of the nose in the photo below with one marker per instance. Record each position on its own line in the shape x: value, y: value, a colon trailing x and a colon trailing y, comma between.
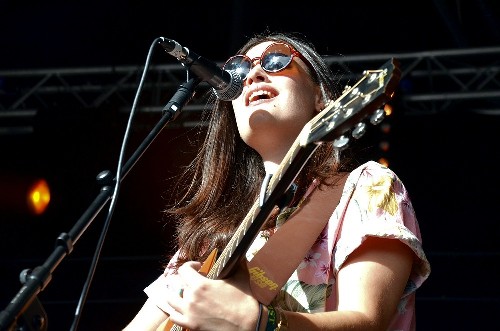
x: 256, y: 73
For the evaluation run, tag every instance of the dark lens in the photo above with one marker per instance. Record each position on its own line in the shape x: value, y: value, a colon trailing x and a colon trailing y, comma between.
x: 276, y: 58
x: 239, y: 64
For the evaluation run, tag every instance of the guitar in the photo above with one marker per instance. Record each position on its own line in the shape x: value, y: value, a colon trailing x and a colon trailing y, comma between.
x: 341, y: 118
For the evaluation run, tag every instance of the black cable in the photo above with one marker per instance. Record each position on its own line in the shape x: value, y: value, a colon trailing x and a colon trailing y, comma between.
x: 114, y: 198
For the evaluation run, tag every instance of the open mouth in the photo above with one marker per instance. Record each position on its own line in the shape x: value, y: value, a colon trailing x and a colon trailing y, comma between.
x: 260, y: 95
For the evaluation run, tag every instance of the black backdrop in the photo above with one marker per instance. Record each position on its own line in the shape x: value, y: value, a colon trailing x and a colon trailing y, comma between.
x: 447, y: 160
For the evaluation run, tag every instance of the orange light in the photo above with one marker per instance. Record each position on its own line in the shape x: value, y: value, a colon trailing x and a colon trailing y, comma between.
x: 383, y: 161
x: 384, y: 146
x: 385, y: 128
x: 38, y: 196
x: 23, y: 194
x: 388, y: 109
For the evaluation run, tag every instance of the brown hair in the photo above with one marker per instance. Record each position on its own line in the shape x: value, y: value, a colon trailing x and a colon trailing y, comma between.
x: 224, y: 179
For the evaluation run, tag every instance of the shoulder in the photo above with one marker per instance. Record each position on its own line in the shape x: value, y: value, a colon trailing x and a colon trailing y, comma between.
x: 378, y: 191
x: 375, y: 175
x: 372, y: 168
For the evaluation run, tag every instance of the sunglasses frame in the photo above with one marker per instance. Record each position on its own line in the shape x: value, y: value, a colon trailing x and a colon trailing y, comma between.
x: 246, y: 59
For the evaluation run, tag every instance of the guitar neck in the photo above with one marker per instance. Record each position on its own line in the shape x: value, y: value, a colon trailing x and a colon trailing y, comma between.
x: 345, y: 114
x: 249, y: 228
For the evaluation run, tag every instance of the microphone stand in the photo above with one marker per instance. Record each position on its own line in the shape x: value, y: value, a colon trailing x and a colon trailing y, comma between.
x: 34, y: 281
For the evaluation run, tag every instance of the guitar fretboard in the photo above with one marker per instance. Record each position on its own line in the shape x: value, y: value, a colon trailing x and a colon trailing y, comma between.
x: 339, y: 117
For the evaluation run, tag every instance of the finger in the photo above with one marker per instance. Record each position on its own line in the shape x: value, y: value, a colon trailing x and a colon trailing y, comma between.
x: 175, y: 300
x: 178, y: 319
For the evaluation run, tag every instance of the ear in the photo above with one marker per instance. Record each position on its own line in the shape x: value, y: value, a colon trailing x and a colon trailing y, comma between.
x: 319, y: 100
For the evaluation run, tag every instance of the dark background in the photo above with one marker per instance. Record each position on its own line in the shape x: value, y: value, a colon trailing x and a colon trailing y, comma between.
x: 446, y: 159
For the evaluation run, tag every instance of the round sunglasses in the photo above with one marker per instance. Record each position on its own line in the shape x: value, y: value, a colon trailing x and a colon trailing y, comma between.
x: 275, y: 58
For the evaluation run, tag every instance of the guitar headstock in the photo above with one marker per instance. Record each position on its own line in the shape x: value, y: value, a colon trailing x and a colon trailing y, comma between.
x: 347, y: 114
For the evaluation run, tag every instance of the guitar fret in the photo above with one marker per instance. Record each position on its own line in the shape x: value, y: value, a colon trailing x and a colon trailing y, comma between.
x: 233, y: 243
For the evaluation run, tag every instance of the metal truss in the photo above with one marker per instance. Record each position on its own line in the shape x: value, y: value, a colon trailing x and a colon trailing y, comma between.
x: 431, y: 82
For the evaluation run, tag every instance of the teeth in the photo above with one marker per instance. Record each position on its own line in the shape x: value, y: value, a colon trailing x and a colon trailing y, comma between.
x: 257, y: 95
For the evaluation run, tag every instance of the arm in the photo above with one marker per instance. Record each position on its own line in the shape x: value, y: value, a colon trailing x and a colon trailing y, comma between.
x: 148, y: 318
x: 370, y: 285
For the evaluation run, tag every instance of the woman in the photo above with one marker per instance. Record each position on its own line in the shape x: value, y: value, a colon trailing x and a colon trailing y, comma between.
x: 358, y: 271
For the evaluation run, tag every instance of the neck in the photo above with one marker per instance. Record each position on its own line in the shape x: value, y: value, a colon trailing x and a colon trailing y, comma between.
x: 274, y: 156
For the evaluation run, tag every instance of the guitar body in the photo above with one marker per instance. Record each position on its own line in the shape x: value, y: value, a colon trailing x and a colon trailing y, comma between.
x: 167, y: 325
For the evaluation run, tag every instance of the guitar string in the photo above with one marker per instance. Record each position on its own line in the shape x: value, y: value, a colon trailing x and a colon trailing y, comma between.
x: 292, y: 152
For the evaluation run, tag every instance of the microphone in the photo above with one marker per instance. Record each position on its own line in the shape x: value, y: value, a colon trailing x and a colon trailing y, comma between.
x: 226, y: 84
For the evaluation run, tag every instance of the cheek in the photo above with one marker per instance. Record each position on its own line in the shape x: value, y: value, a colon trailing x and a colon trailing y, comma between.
x: 302, y: 101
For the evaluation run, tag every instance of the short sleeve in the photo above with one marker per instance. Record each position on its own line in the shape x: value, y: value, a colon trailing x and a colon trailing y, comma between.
x: 379, y: 206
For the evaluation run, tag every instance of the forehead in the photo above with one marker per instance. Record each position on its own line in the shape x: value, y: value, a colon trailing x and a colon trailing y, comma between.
x: 257, y: 50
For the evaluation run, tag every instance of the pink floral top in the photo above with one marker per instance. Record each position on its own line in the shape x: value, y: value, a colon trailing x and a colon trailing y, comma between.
x: 374, y: 203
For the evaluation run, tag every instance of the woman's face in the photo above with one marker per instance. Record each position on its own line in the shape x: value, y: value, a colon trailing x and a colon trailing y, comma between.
x: 274, y: 107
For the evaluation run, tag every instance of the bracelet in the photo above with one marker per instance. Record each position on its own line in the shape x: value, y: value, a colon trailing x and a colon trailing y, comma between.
x: 276, y: 319
x: 271, y: 319
x: 282, y: 321
x: 259, y: 317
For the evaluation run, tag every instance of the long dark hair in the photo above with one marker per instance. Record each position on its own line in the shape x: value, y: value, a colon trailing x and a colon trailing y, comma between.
x: 224, y: 179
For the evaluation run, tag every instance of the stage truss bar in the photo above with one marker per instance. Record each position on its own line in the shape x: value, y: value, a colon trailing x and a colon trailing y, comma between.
x: 431, y: 82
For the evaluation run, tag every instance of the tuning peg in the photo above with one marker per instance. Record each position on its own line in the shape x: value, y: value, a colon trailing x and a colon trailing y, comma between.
x: 359, y: 130
x: 378, y: 116
x: 341, y: 142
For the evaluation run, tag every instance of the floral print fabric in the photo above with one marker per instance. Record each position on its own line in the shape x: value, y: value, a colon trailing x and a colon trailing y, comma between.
x: 374, y: 202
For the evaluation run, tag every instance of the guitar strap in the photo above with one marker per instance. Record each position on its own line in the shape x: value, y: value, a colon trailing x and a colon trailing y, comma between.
x: 280, y: 256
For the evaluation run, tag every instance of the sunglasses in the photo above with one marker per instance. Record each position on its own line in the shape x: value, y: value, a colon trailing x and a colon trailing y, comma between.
x: 275, y: 58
